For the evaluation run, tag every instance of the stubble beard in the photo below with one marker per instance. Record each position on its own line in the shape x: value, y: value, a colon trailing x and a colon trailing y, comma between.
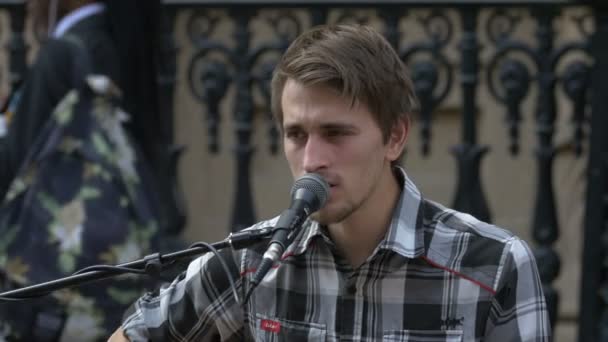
x: 343, y: 210
x: 337, y: 215
x: 325, y: 218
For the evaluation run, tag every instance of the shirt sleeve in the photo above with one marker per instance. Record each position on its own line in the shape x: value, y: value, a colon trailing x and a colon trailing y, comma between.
x: 199, y: 305
x: 518, y: 311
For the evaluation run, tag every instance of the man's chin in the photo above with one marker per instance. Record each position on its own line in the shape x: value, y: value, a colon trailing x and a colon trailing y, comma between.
x: 327, y: 217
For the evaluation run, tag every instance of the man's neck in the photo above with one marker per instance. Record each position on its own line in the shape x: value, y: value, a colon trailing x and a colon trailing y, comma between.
x: 358, y: 236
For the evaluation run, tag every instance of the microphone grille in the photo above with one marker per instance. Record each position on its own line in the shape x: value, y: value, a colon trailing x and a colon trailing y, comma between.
x: 315, y: 184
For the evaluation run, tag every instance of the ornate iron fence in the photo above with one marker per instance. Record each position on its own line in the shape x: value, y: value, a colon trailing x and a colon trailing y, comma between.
x: 510, y: 71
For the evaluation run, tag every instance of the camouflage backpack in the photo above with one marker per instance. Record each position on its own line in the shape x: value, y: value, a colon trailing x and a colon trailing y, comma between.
x: 82, y: 197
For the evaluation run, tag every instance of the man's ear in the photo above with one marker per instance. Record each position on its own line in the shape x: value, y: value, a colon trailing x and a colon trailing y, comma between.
x: 398, y: 138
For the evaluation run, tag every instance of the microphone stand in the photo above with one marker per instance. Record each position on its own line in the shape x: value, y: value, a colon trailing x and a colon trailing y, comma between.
x: 151, y: 264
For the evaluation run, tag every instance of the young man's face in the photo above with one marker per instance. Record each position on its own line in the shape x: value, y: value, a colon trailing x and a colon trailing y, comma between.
x: 323, y: 133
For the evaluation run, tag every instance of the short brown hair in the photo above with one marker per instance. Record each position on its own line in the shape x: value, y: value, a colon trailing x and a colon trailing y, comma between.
x: 355, y: 60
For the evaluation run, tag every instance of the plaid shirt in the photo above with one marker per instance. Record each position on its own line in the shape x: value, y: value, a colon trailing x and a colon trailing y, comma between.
x: 439, y: 275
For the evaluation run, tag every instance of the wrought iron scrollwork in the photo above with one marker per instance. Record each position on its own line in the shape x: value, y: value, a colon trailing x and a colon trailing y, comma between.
x: 545, y: 225
x: 431, y: 75
x: 214, y: 79
x: 243, y: 58
x: 585, y: 23
x: 515, y: 79
x: 509, y: 77
x: 264, y: 77
x: 169, y: 154
x: 425, y: 77
x: 212, y: 69
x: 202, y: 25
x: 391, y: 17
x: 469, y: 195
x: 357, y: 16
x: 512, y: 84
x: 575, y: 82
x: 501, y: 24
x: 514, y: 76
x: 576, y: 78
x: 438, y: 27
x: 287, y: 27
x: 209, y: 77
x: 318, y: 15
x: 217, y: 66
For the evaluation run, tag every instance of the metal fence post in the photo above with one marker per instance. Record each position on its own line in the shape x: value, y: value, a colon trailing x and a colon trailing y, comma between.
x: 593, y: 320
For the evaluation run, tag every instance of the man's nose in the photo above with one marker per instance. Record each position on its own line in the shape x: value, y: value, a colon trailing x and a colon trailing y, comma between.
x: 315, y: 155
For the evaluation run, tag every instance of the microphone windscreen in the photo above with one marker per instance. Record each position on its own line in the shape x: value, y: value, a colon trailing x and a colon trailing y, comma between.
x: 315, y: 184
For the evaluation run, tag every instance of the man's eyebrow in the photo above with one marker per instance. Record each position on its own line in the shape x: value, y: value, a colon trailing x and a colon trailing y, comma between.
x: 325, y: 126
x: 292, y: 126
x: 339, y: 126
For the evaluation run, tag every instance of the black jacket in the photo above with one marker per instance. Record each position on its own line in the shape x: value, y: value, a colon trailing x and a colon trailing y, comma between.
x: 47, y: 82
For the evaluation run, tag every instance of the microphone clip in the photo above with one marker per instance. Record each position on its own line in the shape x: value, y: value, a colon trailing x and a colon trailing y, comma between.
x: 248, y: 237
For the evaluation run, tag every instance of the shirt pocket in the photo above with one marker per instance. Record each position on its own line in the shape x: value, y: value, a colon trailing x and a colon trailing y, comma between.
x: 422, y: 336
x: 270, y: 329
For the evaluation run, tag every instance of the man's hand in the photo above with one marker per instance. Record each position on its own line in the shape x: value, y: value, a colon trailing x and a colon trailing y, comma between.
x: 118, y: 336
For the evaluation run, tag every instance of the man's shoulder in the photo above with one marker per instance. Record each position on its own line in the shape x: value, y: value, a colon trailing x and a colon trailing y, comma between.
x: 456, y: 222
x: 473, y: 248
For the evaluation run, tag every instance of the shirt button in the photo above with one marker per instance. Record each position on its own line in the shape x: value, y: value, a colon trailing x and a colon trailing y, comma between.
x: 351, y: 289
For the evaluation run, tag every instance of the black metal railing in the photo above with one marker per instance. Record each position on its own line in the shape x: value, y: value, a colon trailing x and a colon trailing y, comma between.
x: 516, y: 65
x: 593, y: 320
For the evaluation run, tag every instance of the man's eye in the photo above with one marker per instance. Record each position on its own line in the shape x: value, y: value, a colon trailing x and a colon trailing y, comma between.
x: 336, y: 133
x: 294, y: 135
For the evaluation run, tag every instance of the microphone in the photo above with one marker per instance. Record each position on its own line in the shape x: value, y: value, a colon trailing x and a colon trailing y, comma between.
x: 308, y: 194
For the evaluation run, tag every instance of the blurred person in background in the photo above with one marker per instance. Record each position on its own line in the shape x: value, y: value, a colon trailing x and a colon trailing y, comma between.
x: 120, y: 38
